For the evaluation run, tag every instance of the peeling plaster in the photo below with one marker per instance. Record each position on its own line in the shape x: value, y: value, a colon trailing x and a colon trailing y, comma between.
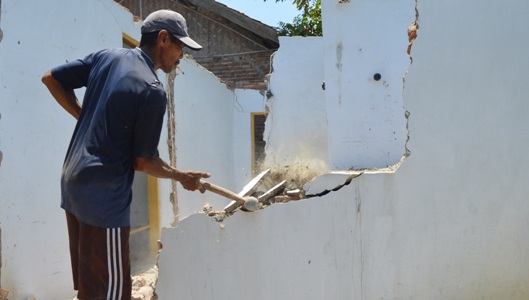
x: 413, y: 29
x: 171, y: 141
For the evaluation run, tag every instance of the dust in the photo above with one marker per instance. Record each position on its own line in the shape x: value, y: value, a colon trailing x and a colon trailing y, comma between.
x: 297, y: 174
x: 270, y: 191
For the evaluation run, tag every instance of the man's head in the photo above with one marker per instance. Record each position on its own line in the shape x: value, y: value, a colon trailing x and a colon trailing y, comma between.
x: 164, y: 35
x: 171, y: 21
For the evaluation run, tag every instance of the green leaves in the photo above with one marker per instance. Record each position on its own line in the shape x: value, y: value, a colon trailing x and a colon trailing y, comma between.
x: 308, y: 23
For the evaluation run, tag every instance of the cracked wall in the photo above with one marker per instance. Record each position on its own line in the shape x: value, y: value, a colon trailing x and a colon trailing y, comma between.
x: 444, y: 226
x: 302, y: 128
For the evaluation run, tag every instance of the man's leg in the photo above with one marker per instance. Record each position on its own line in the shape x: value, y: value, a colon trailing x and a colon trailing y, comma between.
x: 103, y: 263
x: 73, y: 238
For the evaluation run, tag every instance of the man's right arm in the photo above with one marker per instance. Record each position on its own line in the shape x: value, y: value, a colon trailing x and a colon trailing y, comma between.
x: 65, y: 97
x: 157, y: 167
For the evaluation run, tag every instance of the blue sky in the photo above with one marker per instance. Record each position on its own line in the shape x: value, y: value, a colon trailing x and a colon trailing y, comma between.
x: 269, y: 12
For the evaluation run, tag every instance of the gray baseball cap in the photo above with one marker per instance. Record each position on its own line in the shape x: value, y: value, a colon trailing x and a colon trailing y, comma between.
x: 172, y: 22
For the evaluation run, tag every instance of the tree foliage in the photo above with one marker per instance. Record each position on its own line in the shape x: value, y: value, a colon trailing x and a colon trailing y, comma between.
x: 308, y: 23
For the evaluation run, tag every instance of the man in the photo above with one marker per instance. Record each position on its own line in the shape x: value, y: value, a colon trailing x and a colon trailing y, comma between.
x: 117, y: 132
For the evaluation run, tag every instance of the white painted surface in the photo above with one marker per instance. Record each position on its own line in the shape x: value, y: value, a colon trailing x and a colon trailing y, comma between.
x: 291, y: 251
x: 366, y: 122
x: 35, y: 131
x: 213, y: 135
x: 213, y: 130
x: 296, y: 128
x: 450, y: 223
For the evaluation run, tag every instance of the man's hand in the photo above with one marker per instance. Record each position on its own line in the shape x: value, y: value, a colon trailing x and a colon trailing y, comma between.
x: 190, y: 180
x: 157, y: 167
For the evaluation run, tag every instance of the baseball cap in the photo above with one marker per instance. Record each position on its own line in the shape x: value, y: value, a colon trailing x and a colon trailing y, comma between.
x: 171, y: 21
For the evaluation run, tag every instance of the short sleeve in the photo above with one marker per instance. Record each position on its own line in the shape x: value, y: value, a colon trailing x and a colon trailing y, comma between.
x: 74, y: 74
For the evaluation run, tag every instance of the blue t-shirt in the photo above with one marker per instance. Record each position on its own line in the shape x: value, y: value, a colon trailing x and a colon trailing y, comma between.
x: 121, y: 118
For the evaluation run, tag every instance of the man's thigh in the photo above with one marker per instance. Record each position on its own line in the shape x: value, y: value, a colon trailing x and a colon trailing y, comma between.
x: 101, y: 262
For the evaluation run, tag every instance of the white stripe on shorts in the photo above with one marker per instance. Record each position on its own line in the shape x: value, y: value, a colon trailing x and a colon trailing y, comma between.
x: 115, y: 275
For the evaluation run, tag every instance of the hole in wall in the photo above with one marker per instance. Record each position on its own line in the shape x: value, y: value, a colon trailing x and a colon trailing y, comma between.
x: 299, y: 175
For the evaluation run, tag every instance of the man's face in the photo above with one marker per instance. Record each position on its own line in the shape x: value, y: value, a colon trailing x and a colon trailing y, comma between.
x: 171, y: 54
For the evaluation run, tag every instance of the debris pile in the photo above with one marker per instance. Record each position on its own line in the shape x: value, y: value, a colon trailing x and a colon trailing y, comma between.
x: 144, y: 285
x: 3, y: 294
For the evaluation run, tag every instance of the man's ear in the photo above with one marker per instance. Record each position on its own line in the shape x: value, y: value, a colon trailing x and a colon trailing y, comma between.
x: 164, y: 38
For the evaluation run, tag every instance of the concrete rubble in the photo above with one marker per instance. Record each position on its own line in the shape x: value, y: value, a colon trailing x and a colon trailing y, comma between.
x: 144, y: 285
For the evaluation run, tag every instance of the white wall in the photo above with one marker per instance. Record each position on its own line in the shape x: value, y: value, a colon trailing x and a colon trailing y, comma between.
x: 450, y: 223
x: 213, y: 134
x: 35, y: 131
x: 296, y: 127
x: 366, y: 121
x: 354, y: 121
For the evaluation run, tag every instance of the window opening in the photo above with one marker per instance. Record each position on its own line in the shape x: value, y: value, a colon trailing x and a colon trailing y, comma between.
x: 258, y: 144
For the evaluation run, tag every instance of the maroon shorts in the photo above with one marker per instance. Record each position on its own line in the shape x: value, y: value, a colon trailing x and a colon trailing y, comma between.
x: 100, y: 261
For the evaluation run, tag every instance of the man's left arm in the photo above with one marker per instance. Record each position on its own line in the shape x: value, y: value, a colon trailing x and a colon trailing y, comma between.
x: 65, y: 97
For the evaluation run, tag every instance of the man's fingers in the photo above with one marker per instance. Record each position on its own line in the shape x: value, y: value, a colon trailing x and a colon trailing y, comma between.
x: 199, y: 175
x: 200, y: 187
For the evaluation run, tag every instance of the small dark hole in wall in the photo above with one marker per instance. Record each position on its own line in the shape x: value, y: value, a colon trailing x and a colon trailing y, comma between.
x: 377, y: 76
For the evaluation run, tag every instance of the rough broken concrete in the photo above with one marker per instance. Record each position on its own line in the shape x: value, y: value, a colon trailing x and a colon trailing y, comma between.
x: 144, y: 285
x: 3, y: 294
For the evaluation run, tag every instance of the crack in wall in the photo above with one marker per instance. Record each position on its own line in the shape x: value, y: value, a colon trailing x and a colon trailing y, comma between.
x: 412, y: 35
x: 412, y: 29
x: 337, y: 188
x: 171, y: 141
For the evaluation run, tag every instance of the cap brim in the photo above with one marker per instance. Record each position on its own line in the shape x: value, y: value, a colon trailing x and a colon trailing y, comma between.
x: 190, y: 43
